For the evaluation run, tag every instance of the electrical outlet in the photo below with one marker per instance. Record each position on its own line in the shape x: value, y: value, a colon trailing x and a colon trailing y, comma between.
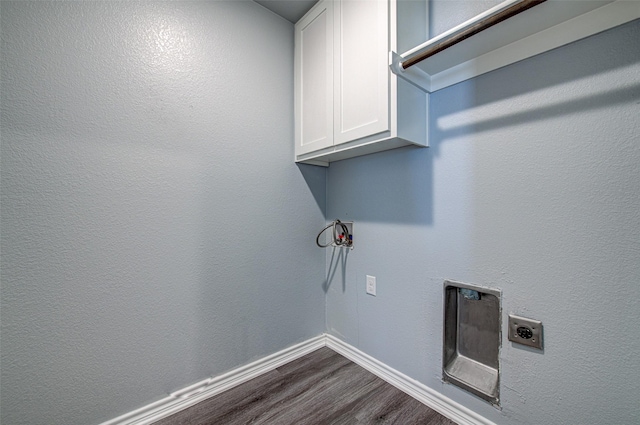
x: 525, y: 331
x: 371, y: 285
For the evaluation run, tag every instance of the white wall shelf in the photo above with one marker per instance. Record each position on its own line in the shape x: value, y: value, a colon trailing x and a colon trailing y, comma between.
x: 546, y: 26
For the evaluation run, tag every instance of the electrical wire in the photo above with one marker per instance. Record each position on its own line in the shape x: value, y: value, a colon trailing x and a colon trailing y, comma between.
x: 320, y: 234
x: 337, y: 239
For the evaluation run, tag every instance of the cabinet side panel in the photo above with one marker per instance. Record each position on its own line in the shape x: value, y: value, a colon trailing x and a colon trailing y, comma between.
x: 413, y: 110
x: 412, y: 103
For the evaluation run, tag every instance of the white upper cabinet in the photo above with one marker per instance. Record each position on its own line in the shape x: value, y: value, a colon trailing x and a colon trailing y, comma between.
x: 347, y: 102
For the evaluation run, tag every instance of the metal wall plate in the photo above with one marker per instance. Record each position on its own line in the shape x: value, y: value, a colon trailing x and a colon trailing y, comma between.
x: 525, y: 331
x: 471, y: 339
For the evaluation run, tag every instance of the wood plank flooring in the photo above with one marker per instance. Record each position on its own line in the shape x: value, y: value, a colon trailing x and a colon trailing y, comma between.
x: 320, y: 388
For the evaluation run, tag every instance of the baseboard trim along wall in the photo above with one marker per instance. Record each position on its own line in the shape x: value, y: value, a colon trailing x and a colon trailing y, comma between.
x: 210, y: 387
x: 431, y: 398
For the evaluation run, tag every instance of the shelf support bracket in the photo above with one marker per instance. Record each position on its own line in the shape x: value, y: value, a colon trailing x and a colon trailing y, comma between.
x: 413, y: 75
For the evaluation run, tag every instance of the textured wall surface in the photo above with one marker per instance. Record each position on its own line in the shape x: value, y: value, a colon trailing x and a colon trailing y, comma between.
x: 446, y: 14
x: 531, y: 185
x: 155, y: 230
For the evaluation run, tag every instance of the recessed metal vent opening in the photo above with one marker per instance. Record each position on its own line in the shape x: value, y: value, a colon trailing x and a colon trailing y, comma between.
x: 471, y: 342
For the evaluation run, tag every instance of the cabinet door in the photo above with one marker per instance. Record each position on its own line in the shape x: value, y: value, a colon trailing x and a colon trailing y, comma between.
x: 361, y: 90
x: 314, y: 79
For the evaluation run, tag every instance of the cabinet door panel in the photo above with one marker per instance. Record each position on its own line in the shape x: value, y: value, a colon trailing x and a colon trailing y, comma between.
x: 314, y: 80
x: 361, y: 93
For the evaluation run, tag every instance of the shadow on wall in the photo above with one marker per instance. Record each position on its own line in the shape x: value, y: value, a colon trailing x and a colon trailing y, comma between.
x: 337, y: 261
x: 316, y: 179
x: 398, y: 186
x: 448, y: 129
x: 393, y: 186
x: 529, y: 77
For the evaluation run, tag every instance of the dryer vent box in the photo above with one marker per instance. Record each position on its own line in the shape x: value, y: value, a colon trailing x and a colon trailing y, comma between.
x: 472, y: 339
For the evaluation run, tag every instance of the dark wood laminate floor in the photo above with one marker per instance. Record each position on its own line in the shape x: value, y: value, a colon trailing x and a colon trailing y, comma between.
x: 320, y: 388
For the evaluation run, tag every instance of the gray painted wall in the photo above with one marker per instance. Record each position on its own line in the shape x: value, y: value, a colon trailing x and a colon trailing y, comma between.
x: 446, y: 14
x: 155, y: 230
x: 147, y: 181
x: 531, y: 185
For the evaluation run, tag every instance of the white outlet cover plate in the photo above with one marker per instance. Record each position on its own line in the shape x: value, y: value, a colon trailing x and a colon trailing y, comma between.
x: 371, y: 285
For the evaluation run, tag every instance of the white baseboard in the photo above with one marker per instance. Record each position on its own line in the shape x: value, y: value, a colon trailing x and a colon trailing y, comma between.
x: 431, y: 398
x: 207, y: 388
x: 210, y: 387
